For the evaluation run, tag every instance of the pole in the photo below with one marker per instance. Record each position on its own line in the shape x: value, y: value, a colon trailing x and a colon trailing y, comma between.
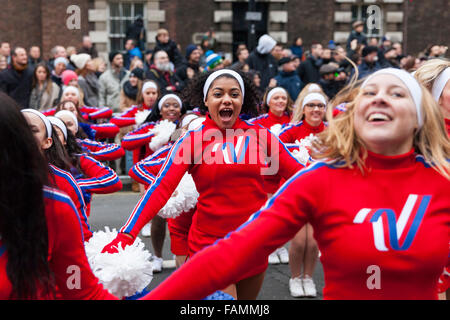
x: 252, y: 28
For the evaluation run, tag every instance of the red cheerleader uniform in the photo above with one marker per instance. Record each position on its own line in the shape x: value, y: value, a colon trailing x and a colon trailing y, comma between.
x: 383, y: 234
x: 128, y: 117
x: 102, y: 151
x: 227, y: 170
x: 66, y: 254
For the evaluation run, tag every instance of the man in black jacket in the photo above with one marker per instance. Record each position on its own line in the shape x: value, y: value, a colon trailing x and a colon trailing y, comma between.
x: 308, y: 71
x: 261, y: 60
x: 163, y: 42
x: 16, y: 81
x: 192, y: 67
x: 357, y: 33
x: 163, y: 74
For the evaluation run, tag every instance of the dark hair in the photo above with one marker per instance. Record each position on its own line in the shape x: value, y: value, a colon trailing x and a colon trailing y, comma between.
x: 57, y: 154
x: 193, y: 94
x: 47, y: 79
x: 23, y: 223
x: 155, y: 114
x: 13, y: 51
x: 73, y: 149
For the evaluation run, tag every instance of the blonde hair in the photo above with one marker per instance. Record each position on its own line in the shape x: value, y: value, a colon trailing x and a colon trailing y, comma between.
x: 298, y: 111
x: 429, y: 71
x: 339, y: 143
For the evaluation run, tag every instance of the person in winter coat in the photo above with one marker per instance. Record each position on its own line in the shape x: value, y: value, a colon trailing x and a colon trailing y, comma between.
x: 288, y: 77
x: 16, y: 81
x: 111, y: 82
x: 261, y: 60
x: 163, y: 42
x: 309, y: 69
x: 87, y: 79
x: 369, y: 62
x: 162, y: 73
x: 192, y: 65
x: 45, y: 92
x: 357, y: 33
x: 137, y: 32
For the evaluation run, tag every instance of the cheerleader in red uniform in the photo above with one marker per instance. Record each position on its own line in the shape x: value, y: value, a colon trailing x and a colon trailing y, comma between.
x: 91, y: 175
x: 435, y: 76
x: 303, y: 249
x: 87, y: 115
x: 226, y: 157
x: 37, y: 215
x: 383, y: 232
x: 145, y: 172
x: 170, y: 108
x: 100, y: 151
x: 46, y: 137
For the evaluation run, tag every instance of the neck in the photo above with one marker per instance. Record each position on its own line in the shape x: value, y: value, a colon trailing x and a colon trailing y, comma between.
x: 313, y: 123
x: 390, y: 149
x: 277, y: 113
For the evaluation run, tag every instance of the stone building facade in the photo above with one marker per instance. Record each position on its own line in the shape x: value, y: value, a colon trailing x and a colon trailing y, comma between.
x: 44, y: 22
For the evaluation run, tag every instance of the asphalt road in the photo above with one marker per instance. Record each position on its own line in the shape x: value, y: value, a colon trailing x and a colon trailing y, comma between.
x: 113, y: 210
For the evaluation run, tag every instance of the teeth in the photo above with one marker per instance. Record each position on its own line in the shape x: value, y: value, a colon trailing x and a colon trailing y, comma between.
x: 378, y: 116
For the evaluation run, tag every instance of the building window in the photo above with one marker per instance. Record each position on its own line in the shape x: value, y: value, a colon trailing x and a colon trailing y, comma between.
x: 121, y: 16
x: 359, y: 12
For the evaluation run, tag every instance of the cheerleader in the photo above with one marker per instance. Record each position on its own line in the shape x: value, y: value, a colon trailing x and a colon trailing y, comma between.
x: 303, y: 251
x: 145, y: 172
x: 91, y: 175
x: 53, y: 152
x: 383, y: 232
x: 278, y: 105
x: 226, y: 158
x: 43, y: 217
x: 100, y: 151
x: 435, y: 76
x: 154, y: 135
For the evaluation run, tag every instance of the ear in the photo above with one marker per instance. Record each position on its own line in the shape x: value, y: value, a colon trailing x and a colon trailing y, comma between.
x: 47, y: 143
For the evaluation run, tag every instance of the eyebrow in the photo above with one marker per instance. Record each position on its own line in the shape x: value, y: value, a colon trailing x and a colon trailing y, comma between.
x: 390, y: 87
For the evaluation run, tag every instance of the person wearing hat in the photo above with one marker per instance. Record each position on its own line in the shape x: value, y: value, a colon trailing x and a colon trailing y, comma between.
x: 112, y: 81
x: 59, y: 66
x: 357, y: 33
x: 87, y: 78
x: 263, y: 61
x: 369, y: 64
x: 288, y: 77
x: 213, y: 61
x: 191, y: 66
x: 329, y: 79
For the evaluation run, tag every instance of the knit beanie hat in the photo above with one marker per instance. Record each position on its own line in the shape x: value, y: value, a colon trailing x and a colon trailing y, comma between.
x: 60, y: 60
x: 67, y: 76
x: 212, y: 60
x: 189, y: 49
x: 80, y: 60
x: 265, y: 44
x: 112, y: 55
x: 138, y: 73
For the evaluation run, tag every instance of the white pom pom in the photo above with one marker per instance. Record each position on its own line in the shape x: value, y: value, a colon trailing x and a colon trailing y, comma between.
x: 276, y: 129
x: 182, y: 200
x: 140, y: 116
x: 162, y: 131
x: 302, y: 155
x: 124, y: 273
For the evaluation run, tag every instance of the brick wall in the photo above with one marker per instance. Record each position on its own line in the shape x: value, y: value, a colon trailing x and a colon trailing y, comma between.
x: 428, y: 23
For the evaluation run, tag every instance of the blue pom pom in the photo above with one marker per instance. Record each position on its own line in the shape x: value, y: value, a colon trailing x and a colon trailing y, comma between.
x: 219, y: 295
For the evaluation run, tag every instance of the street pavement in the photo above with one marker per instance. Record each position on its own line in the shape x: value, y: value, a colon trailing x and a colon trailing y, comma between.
x: 113, y: 210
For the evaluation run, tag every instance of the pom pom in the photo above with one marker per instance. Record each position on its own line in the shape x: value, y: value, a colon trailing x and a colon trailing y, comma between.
x: 276, y: 129
x: 162, y: 131
x: 305, y: 145
x: 183, y: 199
x: 140, y: 116
x: 124, y: 273
x: 219, y: 295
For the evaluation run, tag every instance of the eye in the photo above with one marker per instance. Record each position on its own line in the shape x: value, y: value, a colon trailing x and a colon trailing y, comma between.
x: 398, y: 94
x: 368, y: 93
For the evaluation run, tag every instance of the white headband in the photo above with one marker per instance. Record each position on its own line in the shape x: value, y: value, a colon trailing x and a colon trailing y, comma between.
x: 48, y: 125
x: 313, y: 96
x: 314, y: 87
x: 149, y: 84
x: 70, y: 114
x: 217, y: 74
x: 439, y: 84
x: 273, y: 91
x: 196, y: 123
x: 60, y: 124
x: 188, y: 118
x: 168, y: 96
x: 410, y: 82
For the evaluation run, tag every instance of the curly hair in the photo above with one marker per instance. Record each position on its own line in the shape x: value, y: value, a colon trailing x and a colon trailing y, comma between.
x: 193, y: 94
x: 23, y: 224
